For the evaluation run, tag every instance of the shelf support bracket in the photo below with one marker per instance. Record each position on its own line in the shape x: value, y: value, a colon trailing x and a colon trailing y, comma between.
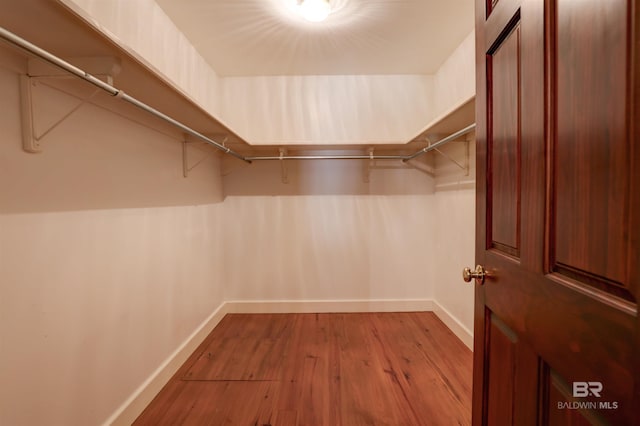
x: 465, y: 166
x: 31, y: 140
x: 38, y: 71
x: 185, y: 160
x: 185, y: 154
x: 448, y: 157
x: 284, y: 171
x: 370, y: 165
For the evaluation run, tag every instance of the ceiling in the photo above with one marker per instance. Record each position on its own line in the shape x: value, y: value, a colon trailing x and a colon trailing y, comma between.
x: 264, y: 37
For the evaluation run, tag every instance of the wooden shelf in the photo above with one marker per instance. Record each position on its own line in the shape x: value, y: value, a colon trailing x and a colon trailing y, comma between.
x: 458, y: 117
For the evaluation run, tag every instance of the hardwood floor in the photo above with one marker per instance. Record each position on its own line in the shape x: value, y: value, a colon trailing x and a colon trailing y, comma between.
x: 321, y: 369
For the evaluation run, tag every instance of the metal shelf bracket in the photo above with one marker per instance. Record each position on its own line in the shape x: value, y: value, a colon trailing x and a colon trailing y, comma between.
x: 41, y: 72
x: 466, y: 166
x: 370, y: 165
x: 30, y: 139
x: 185, y: 153
x: 284, y: 171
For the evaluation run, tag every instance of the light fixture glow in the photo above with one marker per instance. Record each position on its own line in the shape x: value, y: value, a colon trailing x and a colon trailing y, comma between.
x: 314, y: 10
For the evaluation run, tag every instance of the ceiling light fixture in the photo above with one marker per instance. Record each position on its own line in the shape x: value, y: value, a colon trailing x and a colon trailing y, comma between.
x: 314, y: 10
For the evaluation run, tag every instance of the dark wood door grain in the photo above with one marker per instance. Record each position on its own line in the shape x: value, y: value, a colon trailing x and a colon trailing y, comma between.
x: 503, y: 63
x: 558, y: 222
x: 592, y: 145
x: 321, y: 369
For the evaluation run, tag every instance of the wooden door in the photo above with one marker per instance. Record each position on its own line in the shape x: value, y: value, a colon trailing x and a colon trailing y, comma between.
x: 558, y: 219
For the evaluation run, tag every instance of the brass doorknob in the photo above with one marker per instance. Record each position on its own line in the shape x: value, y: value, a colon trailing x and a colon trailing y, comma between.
x: 478, y: 274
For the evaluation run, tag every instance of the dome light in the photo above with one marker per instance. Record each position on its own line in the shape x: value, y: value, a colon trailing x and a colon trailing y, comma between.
x: 314, y: 10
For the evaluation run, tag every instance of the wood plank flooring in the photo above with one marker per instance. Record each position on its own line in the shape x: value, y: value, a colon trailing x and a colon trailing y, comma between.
x: 321, y: 369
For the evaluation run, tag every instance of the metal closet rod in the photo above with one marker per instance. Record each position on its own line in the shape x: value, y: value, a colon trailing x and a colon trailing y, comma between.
x: 117, y: 93
x: 403, y: 158
x: 113, y: 91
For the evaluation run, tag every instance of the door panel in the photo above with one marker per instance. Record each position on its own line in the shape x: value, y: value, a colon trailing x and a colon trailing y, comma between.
x: 509, y: 374
x: 503, y: 63
x: 502, y: 365
x: 591, y: 145
x: 558, y: 221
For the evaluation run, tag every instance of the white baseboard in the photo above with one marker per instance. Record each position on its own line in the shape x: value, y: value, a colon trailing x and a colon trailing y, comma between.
x: 325, y: 306
x: 462, y: 332
x: 138, y: 401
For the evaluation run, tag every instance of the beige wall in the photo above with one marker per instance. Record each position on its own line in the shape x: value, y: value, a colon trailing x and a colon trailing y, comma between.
x: 329, y: 247
x: 327, y: 109
x: 109, y: 258
x: 454, y: 235
x: 455, y: 81
x: 337, y: 230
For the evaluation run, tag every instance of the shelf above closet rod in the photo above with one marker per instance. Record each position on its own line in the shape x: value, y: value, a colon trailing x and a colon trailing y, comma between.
x: 113, y: 91
x: 403, y: 158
